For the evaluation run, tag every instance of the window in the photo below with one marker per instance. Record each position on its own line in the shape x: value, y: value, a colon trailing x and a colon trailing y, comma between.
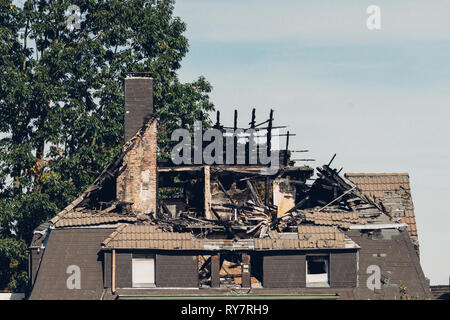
x: 317, y: 271
x: 143, y: 271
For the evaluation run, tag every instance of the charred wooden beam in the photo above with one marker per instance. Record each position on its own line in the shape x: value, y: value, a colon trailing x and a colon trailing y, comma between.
x: 266, y: 192
x: 165, y: 208
x: 254, y: 194
x: 207, y: 192
x: 215, y: 213
x: 269, y: 134
x: 329, y: 163
x: 229, y: 197
x: 235, y: 143
x: 287, y: 148
x: 217, y: 119
x: 252, y: 123
x: 299, y: 204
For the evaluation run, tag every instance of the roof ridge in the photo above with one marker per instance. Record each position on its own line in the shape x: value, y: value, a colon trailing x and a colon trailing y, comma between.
x: 362, y: 174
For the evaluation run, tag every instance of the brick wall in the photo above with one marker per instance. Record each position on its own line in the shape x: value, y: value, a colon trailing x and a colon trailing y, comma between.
x: 343, y: 269
x: 137, y: 181
x: 284, y: 270
x: 175, y: 270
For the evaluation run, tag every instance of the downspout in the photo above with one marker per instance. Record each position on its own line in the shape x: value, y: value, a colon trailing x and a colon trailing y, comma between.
x: 113, y: 283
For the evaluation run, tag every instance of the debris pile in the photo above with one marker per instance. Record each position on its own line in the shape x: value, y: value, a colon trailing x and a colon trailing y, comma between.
x: 239, y: 201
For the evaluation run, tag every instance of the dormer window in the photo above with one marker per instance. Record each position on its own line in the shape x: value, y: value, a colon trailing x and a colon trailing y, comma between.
x: 143, y: 271
x: 317, y: 270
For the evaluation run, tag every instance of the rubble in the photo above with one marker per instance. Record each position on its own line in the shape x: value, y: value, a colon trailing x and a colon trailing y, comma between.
x: 221, y: 201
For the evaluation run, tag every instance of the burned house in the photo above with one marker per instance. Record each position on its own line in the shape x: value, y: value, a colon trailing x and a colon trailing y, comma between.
x: 147, y: 227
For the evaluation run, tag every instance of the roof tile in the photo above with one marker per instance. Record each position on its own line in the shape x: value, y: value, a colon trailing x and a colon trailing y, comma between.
x: 385, y: 185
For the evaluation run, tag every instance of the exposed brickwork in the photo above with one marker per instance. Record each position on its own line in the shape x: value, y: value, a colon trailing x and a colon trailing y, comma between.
x: 284, y: 271
x: 137, y: 181
x: 174, y: 270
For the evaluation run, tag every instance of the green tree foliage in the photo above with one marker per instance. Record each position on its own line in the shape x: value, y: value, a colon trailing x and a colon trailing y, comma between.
x: 13, y: 264
x: 61, y: 102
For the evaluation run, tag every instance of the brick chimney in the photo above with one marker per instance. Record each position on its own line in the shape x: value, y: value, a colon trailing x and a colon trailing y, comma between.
x: 138, y: 104
x: 137, y: 181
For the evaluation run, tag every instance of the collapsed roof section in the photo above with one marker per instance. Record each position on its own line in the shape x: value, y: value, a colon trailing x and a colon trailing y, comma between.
x: 230, y: 201
x: 224, y: 202
x: 394, y: 192
x: 100, y: 199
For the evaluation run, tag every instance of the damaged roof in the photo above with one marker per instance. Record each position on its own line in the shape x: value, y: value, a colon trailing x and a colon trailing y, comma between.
x: 152, y: 237
x: 89, y: 218
x: 108, y: 174
x: 377, y: 185
x: 307, y: 237
x: 341, y: 219
x: 394, y: 190
x: 330, y: 206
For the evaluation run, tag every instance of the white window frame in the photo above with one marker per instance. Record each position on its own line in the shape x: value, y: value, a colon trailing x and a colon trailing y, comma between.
x: 141, y: 260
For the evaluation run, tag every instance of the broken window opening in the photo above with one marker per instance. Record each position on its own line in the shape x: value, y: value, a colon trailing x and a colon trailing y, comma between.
x: 170, y: 193
x: 317, y: 271
x: 204, y: 271
x: 256, y: 270
x: 231, y: 270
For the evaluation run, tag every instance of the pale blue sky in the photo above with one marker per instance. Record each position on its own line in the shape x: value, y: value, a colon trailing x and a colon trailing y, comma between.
x: 379, y: 99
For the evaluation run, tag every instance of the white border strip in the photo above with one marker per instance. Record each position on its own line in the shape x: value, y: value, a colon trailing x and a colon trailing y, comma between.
x: 378, y: 226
